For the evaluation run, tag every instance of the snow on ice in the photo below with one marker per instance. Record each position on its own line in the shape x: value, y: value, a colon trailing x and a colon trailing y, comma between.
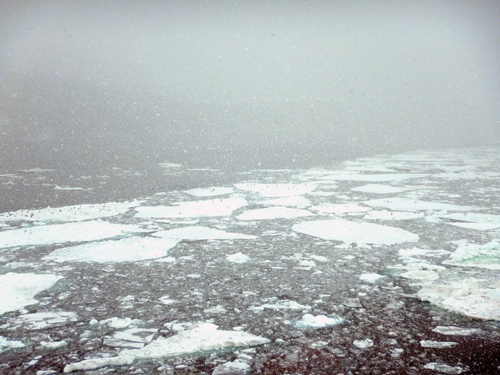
x: 357, y: 232
x: 194, y: 233
x: 276, y: 190
x: 270, y: 213
x: 405, y: 204
x: 199, y: 337
x: 482, y: 256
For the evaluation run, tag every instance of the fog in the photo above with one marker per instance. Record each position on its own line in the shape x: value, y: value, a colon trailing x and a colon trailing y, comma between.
x: 87, y: 84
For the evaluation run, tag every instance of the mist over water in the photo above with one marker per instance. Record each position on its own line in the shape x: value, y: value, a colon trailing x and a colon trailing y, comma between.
x: 87, y: 86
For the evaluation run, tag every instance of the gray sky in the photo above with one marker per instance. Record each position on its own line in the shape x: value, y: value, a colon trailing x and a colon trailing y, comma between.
x: 378, y: 71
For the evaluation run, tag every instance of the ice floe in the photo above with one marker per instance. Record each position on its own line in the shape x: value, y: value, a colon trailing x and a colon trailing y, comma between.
x: 392, y: 215
x: 370, y: 177
x: 270, y: 213
x: 194, y: 233
x: 18, y: 290
x: 199, y: 337
x: 41, y: 320
x: 210, y: 191
x: 370, y: 277
x: 124, y: 250
x: 283, y: 305
x: 405, y: 204
x: 9, y: 344
x: 71, y: 213
x: 471, y: 220
x: 456, y: 331
x: 130, y: 338
x: 339, y: 209
x: 482, y: 256
x: 466, y: 297
x: 202, y: 208
x: 61, y: 233
x: 357, y: 232
x: 378, y: 189
x: 318, y: 321
x: 295, y: 201
x: 238, y: 258
x: 363, y: 344
x: 441, y: 367
x: 276, y: 190
x: 437, y: 344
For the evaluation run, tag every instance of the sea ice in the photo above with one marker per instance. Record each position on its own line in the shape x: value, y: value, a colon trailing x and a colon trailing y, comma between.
x: 392, y: 215
x: 237, y: 367
x: 294, y: 201
x: 482, y: 256
x: 284, y: 305
x: 475, y: 221
x: 422, y: 271
x: 363, y: 344
x: 318, y: 321
x: 199, y: 337
x: 405, y: 204
x: 61, y: 233
x: 71, y: 213
x: 378, y: 189
x: 7, y: 344
x: 465, y: 297
x: 41, y: 320
x: 195, y: 233
x: 270, y: 213
x: 456, y: 331
x: 371, y: 177
x: 238, y: 258
x: 18, y: 290
x: 276, y: 190
x: 370, y: 277
x: 203, y: 208
x: 339, y: 209
x: 441, y: 367
x: 437, y: 344
x: 350, y: 231
x: 131, y: 249
x: 210, y: 191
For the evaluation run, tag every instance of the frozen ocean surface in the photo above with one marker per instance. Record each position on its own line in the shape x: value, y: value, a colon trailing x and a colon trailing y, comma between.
x: 361, y: 268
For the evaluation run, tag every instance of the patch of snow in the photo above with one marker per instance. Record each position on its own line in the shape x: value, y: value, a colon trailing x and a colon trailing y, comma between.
x: 465, y: 297
x: 405, y: 204
x: 276, y: 190
x: 200, y: 337
x: 203, y: 208
x: 378, y: 189
x: 210, y: 191
x: 61, y: 233
x: 350, y: 231
x: 18, y: 290
x: 482, y: 256
x: 125, y: 250
x: 318, y: 321
x: 270, y: 213
x: 238, y: 258
x: 195, y: 233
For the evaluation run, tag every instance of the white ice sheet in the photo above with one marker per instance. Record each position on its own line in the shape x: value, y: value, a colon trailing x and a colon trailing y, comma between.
x: 405, y: 204
x: 270, y: 213
x: 210, y: 191
x: 481, y: 256
x: 378, y: 189
x: 350, y: 231
x: 202, y: 208
x: 276, y: 190
x: 194, y: 233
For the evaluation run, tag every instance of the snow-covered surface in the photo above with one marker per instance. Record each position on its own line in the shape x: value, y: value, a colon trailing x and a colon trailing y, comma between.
x: 200, y: 337
x: 358, y: 232
x: 18, y: 290
x: 202, y: 208
x: 131, y: 249
x: 62, y: 233
x: 355, y: 269
x: 201, y: 233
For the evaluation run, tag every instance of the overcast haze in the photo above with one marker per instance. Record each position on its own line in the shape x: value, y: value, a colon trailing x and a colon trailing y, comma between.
x: 235, y: 84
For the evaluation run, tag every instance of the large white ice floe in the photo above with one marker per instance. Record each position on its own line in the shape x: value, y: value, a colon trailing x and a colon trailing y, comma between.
x: 482, y: 256
x: 405, y: 204
x: 41, y: 320
x: 392, y: 215
x: 18, y: 290
x: 131, y: 249
x: 351, y: 231
x: 346, y: 176
x: 201, y: 233
x: 378, y: 189
x: 471, y: 220
x: 318, y: 321
x: 465, y: 297
x: 238, y: 258
x: 270, y: 213
x: 62, y: 233
x: 276, y: 190
x: 200, y: 337
x: 202, y: 208
x: 283, y: 305
x: 339, y: 209
x: 71, y: 213
x: 294, y: 201
x: 213, y: 191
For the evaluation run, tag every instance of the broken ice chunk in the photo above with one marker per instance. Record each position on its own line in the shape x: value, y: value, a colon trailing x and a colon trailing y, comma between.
x: 405, y: 204
x: 197, y: 233
x: 270, y: 213
x: 437, y: 344
x: 441, y: 367
x: 482, y: 256
x: 318, y: 321
x: 363, y: 344
x: 203, y: 208
x: 43, y: 320
x: 370, y: 277
x: 276, y: 190
x: 238, y: 258
x: 7, y: 344
x: 456, y: 331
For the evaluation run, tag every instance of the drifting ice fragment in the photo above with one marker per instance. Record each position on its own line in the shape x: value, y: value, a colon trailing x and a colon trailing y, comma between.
x: 441, y: 367
x: 363, y: 344
x: 347, y: 176
x: 456, y: 331
x: 339, y: 209
x: 61, y: 233
x: 405, y: 204
x: 207, y: 208
x: 210, y: 191
x: 200, y: 337
x: 238, y: 258
x: 370, y: 277
x: 274, y: 213
x: 195, y: 233
x: 466, y: 297
x: 392, y: 215
x: 378, y: 189
x: 6, y: 344
x: 295, y: 201
x: 124, y: 250
x: 276, y: 190
x: 350, y: 231
x: 437, y: 344
x: 18, y: 290
x: 318, y: 321
x: 482, y: 256
x: 287, y: 305
x: 43, y: 320
x: 232, y: 368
